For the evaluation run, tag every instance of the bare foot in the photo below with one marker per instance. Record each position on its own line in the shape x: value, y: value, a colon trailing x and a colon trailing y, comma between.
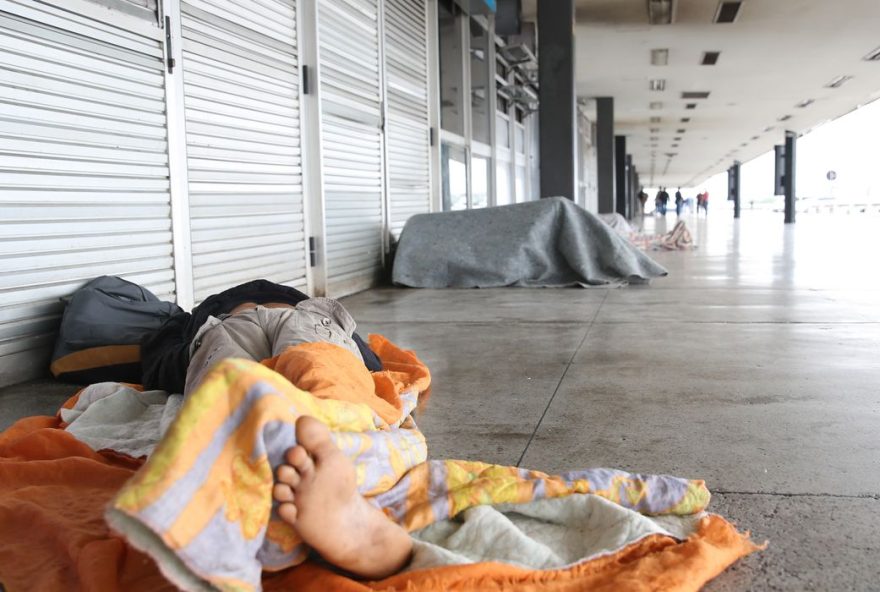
x: 318, y: 496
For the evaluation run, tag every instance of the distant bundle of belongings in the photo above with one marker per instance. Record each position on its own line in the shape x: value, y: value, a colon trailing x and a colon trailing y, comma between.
x: 114, y: 330
x: 551, y: 242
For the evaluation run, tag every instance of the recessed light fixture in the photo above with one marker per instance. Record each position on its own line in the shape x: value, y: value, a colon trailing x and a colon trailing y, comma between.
x: 680, y: 130
x: 657, y: 84
x: 838, y: 82
x: 784, y: 118
x: 660, y: 12
x: 727, y: 12
x: 655, y: 119
x: 685, y: 119
x: 673, y: 145
x: 755, y: 137
x: 653, y: 138
x: 710, y: 58
x: 768, y: 128
x: 695, y: 94
x: 654, y: 130
x: 804, y: 103
x: 690, y: 106
x: 873, y: 56
x: 659, y: 57
x: 655, y: 105
x: 677, y: 139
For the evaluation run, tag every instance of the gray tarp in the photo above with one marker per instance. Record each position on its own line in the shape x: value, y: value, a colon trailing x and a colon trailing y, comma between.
x: 549, y: 242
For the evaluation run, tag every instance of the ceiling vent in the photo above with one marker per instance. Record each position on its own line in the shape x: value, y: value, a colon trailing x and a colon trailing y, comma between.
x: 660, y: 12
x: 676, y: 139
x: 784, y: 118
x: 680, y: 131
x: 768, y: 128
x: 655, y: 105
x: 701, y: 94
x: 710, y: 58
x: 727, y: 12
x: 874, y: 56
x: 756, y: 137
x: 685, y: 119
x: 654, y: 130
x: 838, y: 82
x: 805, y: 103
x: 659, y: 57
x: 690, y: 106
x: 655, y: 119
x: 657, y: 84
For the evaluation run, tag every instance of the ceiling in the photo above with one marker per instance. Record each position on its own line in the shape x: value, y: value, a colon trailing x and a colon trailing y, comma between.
x: 776, y: 54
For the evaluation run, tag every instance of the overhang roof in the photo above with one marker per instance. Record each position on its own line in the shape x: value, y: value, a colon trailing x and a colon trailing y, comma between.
x: 775, y: 55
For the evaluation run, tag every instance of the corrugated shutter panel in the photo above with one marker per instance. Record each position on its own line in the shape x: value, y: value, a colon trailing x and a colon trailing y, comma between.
x: 407, y: 129
x: 241, y: 86
x: 351, y: 142
x: 84, y: 186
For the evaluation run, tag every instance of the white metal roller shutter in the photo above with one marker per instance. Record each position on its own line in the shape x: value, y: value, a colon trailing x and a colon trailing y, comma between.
x: 407, y: 127
x: 241, y: 95
x: 351, y: 142
x: 84, y: 187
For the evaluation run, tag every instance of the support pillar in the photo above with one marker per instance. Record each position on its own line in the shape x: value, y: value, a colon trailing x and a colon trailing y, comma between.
x: 621, y: 174
x: 790, y: 171
x: 630, y: 187
x: 557, y: 103
x: 605, y: 154
x: 735, y: 188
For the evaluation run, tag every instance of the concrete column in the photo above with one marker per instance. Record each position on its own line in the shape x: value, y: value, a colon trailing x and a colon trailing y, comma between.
x: 621, y: 174
x: 556, y: 106
x: 790, y: 171
x: 735, y: 188
x: 605, y: 153
x: 630, y: 187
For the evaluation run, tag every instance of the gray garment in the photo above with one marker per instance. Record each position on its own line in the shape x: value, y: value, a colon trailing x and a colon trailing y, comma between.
x: 262, y: 333
x: 549, y: 242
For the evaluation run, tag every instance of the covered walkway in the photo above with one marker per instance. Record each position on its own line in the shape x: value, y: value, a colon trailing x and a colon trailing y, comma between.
x: 753, y: 365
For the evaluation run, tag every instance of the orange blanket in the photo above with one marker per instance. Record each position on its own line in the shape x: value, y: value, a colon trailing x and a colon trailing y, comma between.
x: 54, y: 490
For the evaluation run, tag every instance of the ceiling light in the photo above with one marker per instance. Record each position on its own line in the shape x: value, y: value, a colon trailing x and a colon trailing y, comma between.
x: 685, y: 119
x: 838, y: 82
x: 680, y: 131
x: 805, y: 103
x: 710, y: 58
x: 768, y: 128
x: 653, y: 138
x: 660, y: 12
x: 695, y: 94
x: 659, y: 57
x: 676, y: 139
x: 690, y: 106
x: 755, y: 137
x: 654, y: 130
x: 784, y: 118
x: 655, y: 119
x: 727, y: 12
x: 873, y: 56
x: 673, y: 145
x: 656, y: 105
x: 657, y: 84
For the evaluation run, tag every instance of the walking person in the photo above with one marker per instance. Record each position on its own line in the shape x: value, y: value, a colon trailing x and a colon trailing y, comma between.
x: 679, y: 201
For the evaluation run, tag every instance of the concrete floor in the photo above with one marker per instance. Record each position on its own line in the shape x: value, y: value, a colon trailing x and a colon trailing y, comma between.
x: 754, y: 366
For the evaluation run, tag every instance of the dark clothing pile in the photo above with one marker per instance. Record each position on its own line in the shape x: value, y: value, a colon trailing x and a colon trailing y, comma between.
x: 165, y: 353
